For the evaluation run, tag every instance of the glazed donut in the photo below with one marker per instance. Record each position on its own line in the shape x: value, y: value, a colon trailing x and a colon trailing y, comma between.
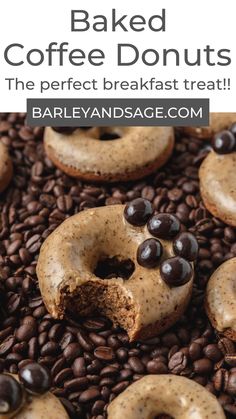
x: 218, y: 178
x: 159, y: 288
x: 137, y: 152
x: 5, y: 167
x: 221, y: 299
x: 218, y: 122
x: 155, y: 395
x: 18, y: 402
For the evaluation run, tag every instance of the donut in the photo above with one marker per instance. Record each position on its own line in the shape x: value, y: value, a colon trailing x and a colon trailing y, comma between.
x: 218, y: 122
x: 218, y: 178
x: 158, y: 287
x: 154, y: 395
x: 127, y: 153
x: 220, y: 299
x: 27, y: 397
x: 5, y: 167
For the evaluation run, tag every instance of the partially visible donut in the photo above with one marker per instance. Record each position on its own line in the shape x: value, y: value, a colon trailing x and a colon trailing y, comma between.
x: 151, y: 299
x: 29, y: 398
x: 218, y: 122
x: 6, y: 168
x: 172, y: 395
x: 218, y: 178
x: 134, y: 153
x: 220, y: 299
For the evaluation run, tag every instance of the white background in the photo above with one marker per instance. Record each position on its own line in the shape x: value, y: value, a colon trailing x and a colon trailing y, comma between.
x: 190, y: 24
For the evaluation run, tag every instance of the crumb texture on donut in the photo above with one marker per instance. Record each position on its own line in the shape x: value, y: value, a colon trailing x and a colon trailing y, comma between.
x: 221, y: 298
x: 143, y: 304
x: 138, y: 152
x: 172, y: 395
x: 110, y: 301
x: 217, y: 185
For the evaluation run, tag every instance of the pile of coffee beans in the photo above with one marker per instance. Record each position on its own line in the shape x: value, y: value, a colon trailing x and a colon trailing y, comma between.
x: 91, y: 362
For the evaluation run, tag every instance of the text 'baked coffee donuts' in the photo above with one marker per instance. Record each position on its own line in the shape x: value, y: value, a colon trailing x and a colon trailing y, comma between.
x: 109, y: 154
x: 27, y: 396
x: 218, y: 177
x: 157, y: 286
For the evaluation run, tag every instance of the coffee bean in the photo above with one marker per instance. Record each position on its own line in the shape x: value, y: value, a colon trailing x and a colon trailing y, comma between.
x: 66, y: 339
x: 58, y: 366
x: 195, y: 351
x: 50, y: 348
x: 177, y: 363
x: 95, y: 325
x: 118, y: 388
x: 122, y: 354
x: 6, y: 345
x: 220, y: 379
x: 89, y: 395
x: 72, y: 351
x: 64, y: 203
x: 176, y: 271
x: 231, y: 384
x: 79, y: 383
x: 230, y: 359
x: 79, y: 367
x: 56, y: 332
x: 84, y: 341
x: 136, y: 365
x: 62, y: 376
x: 156, y: 367
x: 97, y: 408
x: 25, y: 332
x: 104, y: 353
x: 108, y: 371
x: 213, y: 353
x: 70, y: 409
x: 202, y: 366
x: 226, y: 346
x: 35, y: 378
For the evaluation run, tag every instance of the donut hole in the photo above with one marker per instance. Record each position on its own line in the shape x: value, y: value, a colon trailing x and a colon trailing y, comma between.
x: 113, y: 267
x: 163, y: 416
x: 108, y: 134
